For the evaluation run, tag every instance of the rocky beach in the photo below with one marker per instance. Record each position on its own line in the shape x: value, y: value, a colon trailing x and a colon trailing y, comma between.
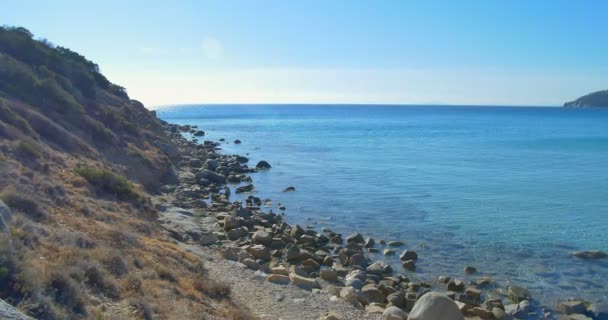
x: 284, y: 271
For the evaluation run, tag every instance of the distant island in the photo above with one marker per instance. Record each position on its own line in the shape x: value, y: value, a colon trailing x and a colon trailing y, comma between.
x: 597, y: 99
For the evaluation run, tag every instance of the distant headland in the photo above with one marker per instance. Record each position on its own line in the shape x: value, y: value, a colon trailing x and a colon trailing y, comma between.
x: 597, y: 99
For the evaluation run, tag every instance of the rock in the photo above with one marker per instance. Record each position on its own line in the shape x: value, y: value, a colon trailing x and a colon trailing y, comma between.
x: 233, y: 179
x: 279, y: 270
x: 199, y: 133
x: 590, y: 254
x: 370, y: 293
x: 211, y: 164
x: 211, y: 176
x: 394, y: 313
x: 576, y: 316
x: 328, y: 275
x: 443, y: 279
x: 350, y: 295
x: 408, y: 255
x: 358, y: 260
x: 241, y: 159
x: 354, y: 283
x: 355, y: 238
x: 434, y: 306
x: 195, y: 163
x: 409, y: 265
x: 599, y: 311
x: 396, y: 299
x: 455, y: 285
x: 374, y: 308
x: 208, y: 239
x: 237, y: 141
x: 303, y: 282
x: 369, y: 243
x: 379, y: 268
x: 278, y: 279
x: 330, y: 316
x: 263, y: 165
x: 262, y: 237
x: 499, y: 313
x: 473, y: 293
x: 259, y: 252
x: 243, y: 189
x: 237, y: 233
x: 231, y: 253
x: 482, y: 313
x: 395, y: 243
x: 251, y: 264
x: 289, y: 189
x: 388, y: 252
x: 569, y: 307
x: 469, y: 270
x: 5, y: 217
x: 518, y: 294
x: 231, y: 222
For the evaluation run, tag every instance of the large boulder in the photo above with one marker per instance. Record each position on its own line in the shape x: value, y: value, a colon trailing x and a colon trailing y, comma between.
x: 211, y: 176
x: 5, y: 216
x: 394, y: 313
x: 433, y: 306
x: 262, y: 237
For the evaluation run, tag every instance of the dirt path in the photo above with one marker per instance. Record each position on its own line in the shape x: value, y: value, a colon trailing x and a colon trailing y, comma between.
x: 273, y: 301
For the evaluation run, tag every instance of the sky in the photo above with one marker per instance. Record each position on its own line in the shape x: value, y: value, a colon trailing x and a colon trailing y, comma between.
x: 485, y: 52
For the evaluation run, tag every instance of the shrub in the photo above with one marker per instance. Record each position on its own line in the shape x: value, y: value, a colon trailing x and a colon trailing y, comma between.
x: 165, y: 274
x: 28, y: 150
x: 212, y: 288
x: 67, y: 293
x: 101, y: 281
x: 108, y: 182
x: 23, y: 202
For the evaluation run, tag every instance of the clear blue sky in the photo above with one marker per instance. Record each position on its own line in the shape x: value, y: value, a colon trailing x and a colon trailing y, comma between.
x: 458, y: 52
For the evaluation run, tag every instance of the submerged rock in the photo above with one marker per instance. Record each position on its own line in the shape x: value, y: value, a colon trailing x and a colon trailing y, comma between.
x: 590, y: 254
x: 263, y: 165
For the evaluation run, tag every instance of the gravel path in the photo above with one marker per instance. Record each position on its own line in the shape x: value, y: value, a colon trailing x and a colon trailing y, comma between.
x: 273, y: 301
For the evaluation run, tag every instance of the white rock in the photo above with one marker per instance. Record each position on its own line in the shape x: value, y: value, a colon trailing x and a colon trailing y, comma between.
x: 433, y: 306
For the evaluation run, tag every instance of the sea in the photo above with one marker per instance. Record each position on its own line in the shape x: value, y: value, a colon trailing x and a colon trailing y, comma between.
x: 511, y: 191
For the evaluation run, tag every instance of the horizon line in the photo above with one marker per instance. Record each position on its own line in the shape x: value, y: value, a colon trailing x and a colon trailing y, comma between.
x: 353, y: 104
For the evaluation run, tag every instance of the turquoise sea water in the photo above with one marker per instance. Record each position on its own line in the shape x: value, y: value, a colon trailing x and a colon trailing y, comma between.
x: 510, y: 191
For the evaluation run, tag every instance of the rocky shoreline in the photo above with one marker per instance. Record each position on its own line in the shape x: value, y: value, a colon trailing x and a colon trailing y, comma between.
x: 325, y: 260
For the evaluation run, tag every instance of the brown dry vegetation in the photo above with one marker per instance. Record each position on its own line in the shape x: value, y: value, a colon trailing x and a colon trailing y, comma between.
x: 84, y: 241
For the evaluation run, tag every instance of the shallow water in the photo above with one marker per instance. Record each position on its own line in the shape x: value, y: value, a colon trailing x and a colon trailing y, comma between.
x: 510, y: 191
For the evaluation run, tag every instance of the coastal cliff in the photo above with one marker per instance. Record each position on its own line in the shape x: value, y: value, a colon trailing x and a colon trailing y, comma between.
x: 79, y: 162
x: 597, y: 99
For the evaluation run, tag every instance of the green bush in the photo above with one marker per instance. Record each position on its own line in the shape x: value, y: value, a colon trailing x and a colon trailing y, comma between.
x: 108, y: 182
x: 28, y: 150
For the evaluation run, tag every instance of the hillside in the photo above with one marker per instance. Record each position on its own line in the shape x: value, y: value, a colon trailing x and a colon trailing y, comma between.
x: 597, y: 99
x: 79, y: 160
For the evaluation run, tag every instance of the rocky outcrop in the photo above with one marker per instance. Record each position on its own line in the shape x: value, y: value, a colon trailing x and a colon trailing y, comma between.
x: 5, y: 217
x: 8, y: 312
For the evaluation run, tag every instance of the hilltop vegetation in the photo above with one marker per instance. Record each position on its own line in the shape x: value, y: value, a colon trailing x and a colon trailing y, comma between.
x: 597, y: 99
x: 78, y: 162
